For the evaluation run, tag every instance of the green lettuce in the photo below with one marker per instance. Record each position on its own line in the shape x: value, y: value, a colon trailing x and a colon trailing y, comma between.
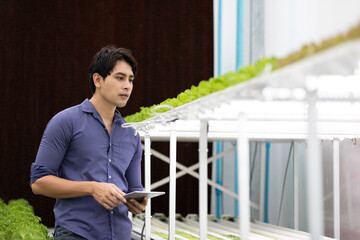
x: 205, y: 87
x: 17, y: 221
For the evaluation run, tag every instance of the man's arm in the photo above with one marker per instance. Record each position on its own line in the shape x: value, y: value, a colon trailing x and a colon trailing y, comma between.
x: 133, y: 175
x: 107, y: 194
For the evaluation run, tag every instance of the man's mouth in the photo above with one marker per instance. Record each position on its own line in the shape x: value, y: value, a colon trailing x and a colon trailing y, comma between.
x: 124, y: 95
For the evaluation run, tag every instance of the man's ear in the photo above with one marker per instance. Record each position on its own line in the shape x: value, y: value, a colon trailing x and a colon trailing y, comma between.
x: 97, y: 79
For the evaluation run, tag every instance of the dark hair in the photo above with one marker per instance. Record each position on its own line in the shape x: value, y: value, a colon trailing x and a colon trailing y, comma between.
x: 105, y: 60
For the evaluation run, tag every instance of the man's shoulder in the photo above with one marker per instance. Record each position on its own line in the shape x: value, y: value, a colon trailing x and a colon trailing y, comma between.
x: 69, y: 114
x: 71, y: 111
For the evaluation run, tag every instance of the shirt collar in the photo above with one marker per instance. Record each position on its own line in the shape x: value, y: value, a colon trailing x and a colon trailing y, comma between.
x: 88, y: 107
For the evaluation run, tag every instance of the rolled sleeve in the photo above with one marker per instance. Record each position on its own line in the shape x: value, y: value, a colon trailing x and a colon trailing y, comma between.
x: 38, y: 171
x: 53, y: 147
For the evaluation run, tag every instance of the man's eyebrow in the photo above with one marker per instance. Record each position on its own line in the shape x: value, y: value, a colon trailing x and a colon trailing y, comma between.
x: 123, y: 74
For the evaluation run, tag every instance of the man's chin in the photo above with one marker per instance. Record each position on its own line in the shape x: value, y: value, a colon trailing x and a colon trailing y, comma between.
x: 121, y: 105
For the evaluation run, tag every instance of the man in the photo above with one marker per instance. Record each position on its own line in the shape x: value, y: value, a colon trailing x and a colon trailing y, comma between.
x: 87, y: 161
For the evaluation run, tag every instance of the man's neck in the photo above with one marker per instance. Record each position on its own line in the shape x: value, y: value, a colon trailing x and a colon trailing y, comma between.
x: 106, y: 110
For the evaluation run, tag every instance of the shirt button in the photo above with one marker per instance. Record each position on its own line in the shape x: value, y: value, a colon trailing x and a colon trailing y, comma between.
x: 109, y: 160
x: 110, y: 144
x: 109, y: 176
x: 111, y: 212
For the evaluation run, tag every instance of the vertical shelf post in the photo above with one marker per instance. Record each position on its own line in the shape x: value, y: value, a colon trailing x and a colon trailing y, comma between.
x: 147, y: 154
x: 262, y: 183
x: 314, y: 172
x: 172, y: 184
x: 203, y: 194
x: 244, y: 178
x: 336, y: 173
x: 296, y: 186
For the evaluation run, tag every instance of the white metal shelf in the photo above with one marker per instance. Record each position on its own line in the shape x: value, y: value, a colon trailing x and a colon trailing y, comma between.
x: 316, y: 98
x: 256, y: 130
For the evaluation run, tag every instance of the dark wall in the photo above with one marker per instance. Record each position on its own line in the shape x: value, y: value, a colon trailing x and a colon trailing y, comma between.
x: 45, y: 50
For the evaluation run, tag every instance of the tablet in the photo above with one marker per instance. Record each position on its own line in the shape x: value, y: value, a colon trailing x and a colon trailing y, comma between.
x: 139, y: 195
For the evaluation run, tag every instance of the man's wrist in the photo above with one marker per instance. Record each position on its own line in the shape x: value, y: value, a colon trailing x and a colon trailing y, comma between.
x: 90, y: 188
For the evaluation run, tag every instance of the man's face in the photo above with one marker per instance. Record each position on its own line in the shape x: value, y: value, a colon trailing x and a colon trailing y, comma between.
x: 117, y: 86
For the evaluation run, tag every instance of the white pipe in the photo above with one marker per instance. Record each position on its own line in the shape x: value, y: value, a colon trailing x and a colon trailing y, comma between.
x: 262, y: 182
x: 203, y: 195
x: 172, y: 184
x: 244, y: 179
x: 336, y: 173
x: 349, y: 195
x: 314, y: 173
x: 147, y: 154
x: 185, y: 170
x: 191, y: 172
x: 296, y: 186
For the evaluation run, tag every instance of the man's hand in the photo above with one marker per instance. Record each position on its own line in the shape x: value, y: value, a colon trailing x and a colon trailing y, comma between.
x: 107, y: 194
x: 136, y: 207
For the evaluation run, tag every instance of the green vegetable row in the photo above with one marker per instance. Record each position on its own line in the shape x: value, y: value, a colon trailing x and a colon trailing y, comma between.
x: 204, y: 88
x: 189, y: 236
x: 17, y: 221
x: 245, y: 73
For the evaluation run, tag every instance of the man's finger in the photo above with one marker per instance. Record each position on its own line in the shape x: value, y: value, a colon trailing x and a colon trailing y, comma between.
x: 118, y: 198
x: 108, y: 206
x: 119, y: 194
x: 118, y: 190
x: 132, y: 208
x: 139, y: 207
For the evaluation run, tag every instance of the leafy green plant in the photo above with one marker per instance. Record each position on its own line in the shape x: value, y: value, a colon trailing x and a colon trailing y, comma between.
x: 17, y: 221
x: 313, y: 48
x: 163, y: 235
x: 185, y: 235
x: 204, y: 88
x: 232, y: 237
x: 245, y: 73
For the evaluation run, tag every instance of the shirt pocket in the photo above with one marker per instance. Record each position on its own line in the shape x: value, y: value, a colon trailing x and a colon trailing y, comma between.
x: 123, y: 154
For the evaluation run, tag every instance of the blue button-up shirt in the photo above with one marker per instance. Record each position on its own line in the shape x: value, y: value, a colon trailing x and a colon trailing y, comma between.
x: 77, y: 146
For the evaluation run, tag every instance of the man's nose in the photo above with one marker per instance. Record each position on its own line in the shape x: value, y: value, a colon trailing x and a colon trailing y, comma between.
x: 127, y: 84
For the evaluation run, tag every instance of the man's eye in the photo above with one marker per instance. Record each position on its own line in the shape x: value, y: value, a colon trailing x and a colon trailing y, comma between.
x: 120, y: 78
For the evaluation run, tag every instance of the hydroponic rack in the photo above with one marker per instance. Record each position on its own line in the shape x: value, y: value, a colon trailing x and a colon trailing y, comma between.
x: 315, y: 98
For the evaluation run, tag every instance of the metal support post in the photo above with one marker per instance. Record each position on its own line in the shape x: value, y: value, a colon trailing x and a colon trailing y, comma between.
x: 172, y: 184
x: 147, y: 154
x: 336, y: 173
x: 314, y: 173
x: 244, y: 178
x: 262, y: 183
x: 203, y: 194
x: 296, y: 186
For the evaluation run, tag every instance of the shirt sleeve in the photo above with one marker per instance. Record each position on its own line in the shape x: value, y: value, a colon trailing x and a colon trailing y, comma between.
x: 133, y: 172
x: 53, y: 147
x: 38, y: 171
